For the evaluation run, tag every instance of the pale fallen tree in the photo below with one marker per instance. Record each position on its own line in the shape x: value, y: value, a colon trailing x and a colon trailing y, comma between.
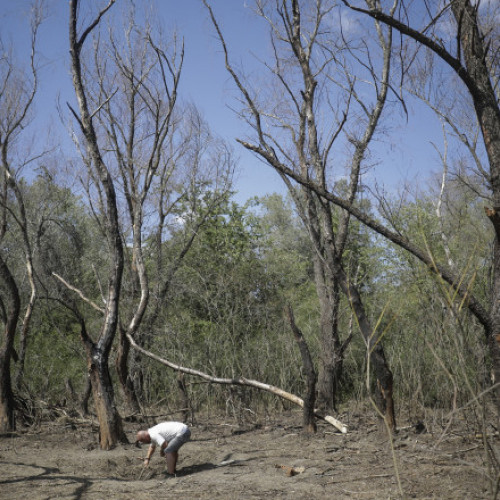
x: 239, y: 381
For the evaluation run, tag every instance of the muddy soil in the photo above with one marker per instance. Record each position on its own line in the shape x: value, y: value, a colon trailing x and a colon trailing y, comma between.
x: 266, y: 458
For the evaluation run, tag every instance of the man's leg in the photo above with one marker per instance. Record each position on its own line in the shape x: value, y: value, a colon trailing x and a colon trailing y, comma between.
x: 171, y: 457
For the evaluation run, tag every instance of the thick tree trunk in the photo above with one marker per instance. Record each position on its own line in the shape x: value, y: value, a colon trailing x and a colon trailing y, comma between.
x: 110, y: 423
x: 111, y: 429
x: 330, y: 358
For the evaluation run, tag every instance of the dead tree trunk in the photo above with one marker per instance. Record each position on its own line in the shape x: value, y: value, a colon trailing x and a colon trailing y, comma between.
x: 308, y: 422
x: 384, y: 380
x: 98, y: 352
x: 13, y: 306
x: 110, y: 424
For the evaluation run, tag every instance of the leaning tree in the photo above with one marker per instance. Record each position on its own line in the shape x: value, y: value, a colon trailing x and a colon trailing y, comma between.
x: 318, y: 105
x: 464, y: 38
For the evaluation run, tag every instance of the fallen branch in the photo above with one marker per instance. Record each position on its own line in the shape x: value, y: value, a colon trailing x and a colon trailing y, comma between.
x: 238, y: 381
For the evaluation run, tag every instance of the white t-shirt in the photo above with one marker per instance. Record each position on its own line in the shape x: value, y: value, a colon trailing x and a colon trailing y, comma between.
x: 166, y: 431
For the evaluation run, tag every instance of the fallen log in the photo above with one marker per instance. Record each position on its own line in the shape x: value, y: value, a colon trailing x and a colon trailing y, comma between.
x: 238, y: 381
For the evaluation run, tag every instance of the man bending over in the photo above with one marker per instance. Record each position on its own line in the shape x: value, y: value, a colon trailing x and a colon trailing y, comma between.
x: 169, y: 436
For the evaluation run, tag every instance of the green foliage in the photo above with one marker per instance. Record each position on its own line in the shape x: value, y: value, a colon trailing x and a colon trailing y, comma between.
x: 224, y: 310
x: 55, y: 356
x: 436, y: 348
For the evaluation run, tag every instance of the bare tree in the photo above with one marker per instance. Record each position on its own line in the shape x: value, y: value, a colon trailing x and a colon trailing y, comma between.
x: 144, y: 161
x: 299, y: 127
x: 472, y: 54
x: 111, y: 429
x: 469, y: 47
x: 135, y: 93
x: 17, y: 93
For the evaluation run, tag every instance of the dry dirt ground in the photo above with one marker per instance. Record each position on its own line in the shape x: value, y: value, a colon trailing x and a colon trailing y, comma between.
x: 226, y: 460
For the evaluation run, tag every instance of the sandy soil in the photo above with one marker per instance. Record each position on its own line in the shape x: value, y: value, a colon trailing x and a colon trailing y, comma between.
x: 225, y: 460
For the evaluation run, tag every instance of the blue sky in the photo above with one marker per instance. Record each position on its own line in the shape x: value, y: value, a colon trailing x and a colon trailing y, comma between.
x: 206, y: 82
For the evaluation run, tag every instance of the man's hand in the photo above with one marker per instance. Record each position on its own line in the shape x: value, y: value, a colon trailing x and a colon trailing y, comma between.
x: 146, y: 462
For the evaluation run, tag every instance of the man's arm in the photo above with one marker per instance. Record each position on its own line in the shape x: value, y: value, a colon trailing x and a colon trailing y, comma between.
x: 151, y: 450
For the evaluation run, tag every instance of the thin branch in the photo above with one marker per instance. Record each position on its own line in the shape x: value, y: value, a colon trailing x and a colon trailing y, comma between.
x: 79, y: 293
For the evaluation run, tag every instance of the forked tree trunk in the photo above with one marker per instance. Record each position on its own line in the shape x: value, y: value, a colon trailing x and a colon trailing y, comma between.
x: 111, y: 430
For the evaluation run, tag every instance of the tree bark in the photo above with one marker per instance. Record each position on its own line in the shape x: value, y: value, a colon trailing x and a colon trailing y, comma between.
x: 330, y: 358
x: 7, y: 416
x: 110, y: 424
x: 308, y: 421
x: 98, y: 353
